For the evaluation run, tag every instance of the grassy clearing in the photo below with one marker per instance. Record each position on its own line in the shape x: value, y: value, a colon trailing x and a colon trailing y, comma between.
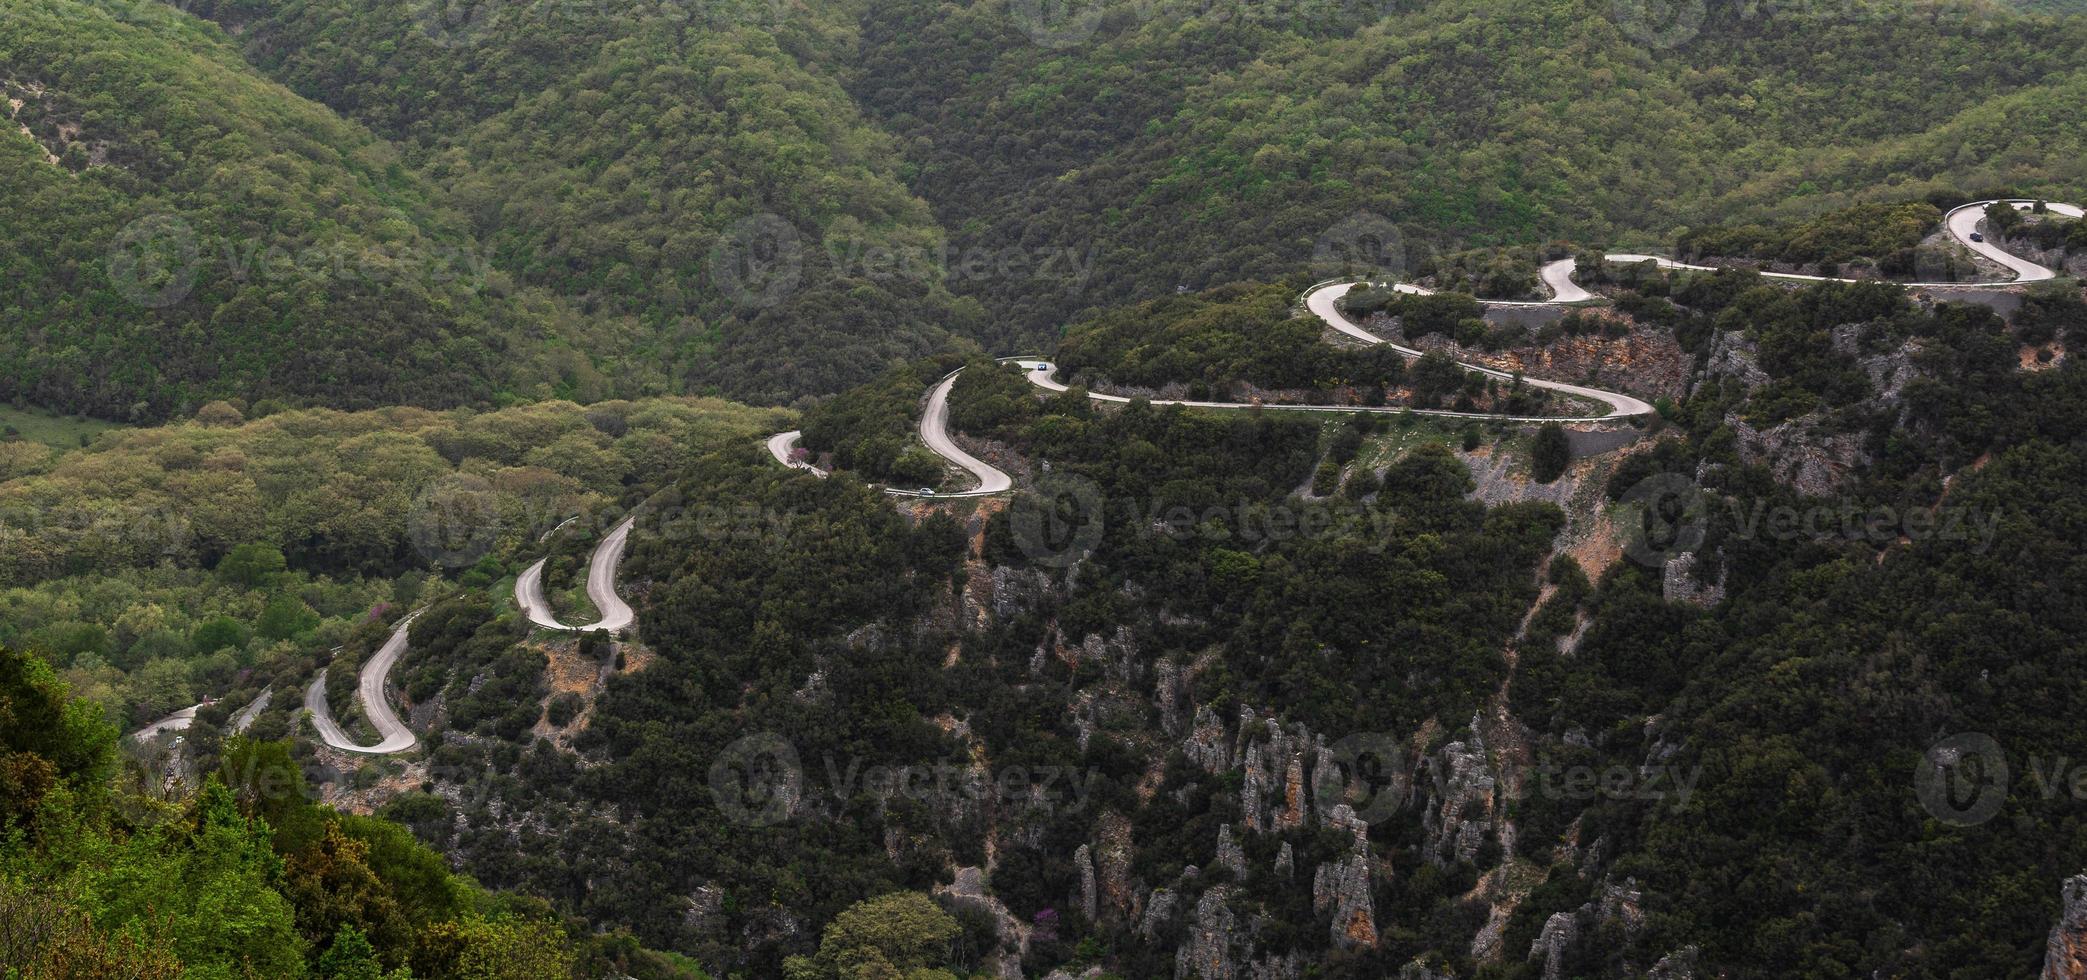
x: 1407, y: 432
x: 60, y: 432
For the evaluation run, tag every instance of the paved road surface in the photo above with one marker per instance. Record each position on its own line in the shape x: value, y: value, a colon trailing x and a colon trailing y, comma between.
x: 529, y: 596
x: 1962, y: 221
x: 183, y: 720
x: 601, y: 581
x: 1557, y: 275
x: 179, y: 721
x: 1321, y: 302
x: 245, y: 718
x: 1557, y: 280
x: 601, y: 587
x: 783, y: 444
x: 934, y: 430
x: 396, y: 737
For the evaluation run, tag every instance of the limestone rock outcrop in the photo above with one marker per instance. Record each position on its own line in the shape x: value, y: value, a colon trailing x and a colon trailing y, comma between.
x: 1560, y: 931
x: 2065, y: 953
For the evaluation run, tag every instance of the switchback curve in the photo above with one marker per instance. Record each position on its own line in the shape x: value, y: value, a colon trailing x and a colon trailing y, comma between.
x: 1961, y: 223
x: 395, y: 736
x: 601, y: 587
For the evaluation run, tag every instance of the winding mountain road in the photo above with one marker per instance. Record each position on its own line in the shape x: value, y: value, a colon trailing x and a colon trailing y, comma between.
x: 183, y: 720
x: 783, y: 446
x: 245, y: 718
x: 1963, y: 221
x: 1961, y: 224
x: 1321, y: 302
x: 179, y: 721
x: 601, y: 587
x: 395, y: 736
x: 934, y: 430
x: 1557, y: 277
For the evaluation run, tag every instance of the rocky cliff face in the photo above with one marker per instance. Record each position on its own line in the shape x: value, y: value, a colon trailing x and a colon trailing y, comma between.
x: 1342, y: 889
x: 1806, y: 452
x: 1647, y: 361
x: 1215, y: 944
x: 1559, y: 934
x: 1677, y: 965
x: 1680, y: 583
x: 2065, y: 954
x: 1272, y: 797
x: 1457, y: 826
x: 1801, y: 452
x: 968, y: 889
x: 1735, y: 357
x: 1289, y: 779
x: 1221, y: 944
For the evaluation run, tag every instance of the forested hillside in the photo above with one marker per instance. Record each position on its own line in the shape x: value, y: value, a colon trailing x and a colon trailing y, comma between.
x: 226, y: 560
x: 1247, y: 341
x: 246, y: 878
x: 779, y: 201
x: 1808, y: 696
x: 696, y: 167
x: 1164, y: 618
x: 339, y: 326
x: 1193, y: 147
x: 174, y: 227
x: 162, y: 566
